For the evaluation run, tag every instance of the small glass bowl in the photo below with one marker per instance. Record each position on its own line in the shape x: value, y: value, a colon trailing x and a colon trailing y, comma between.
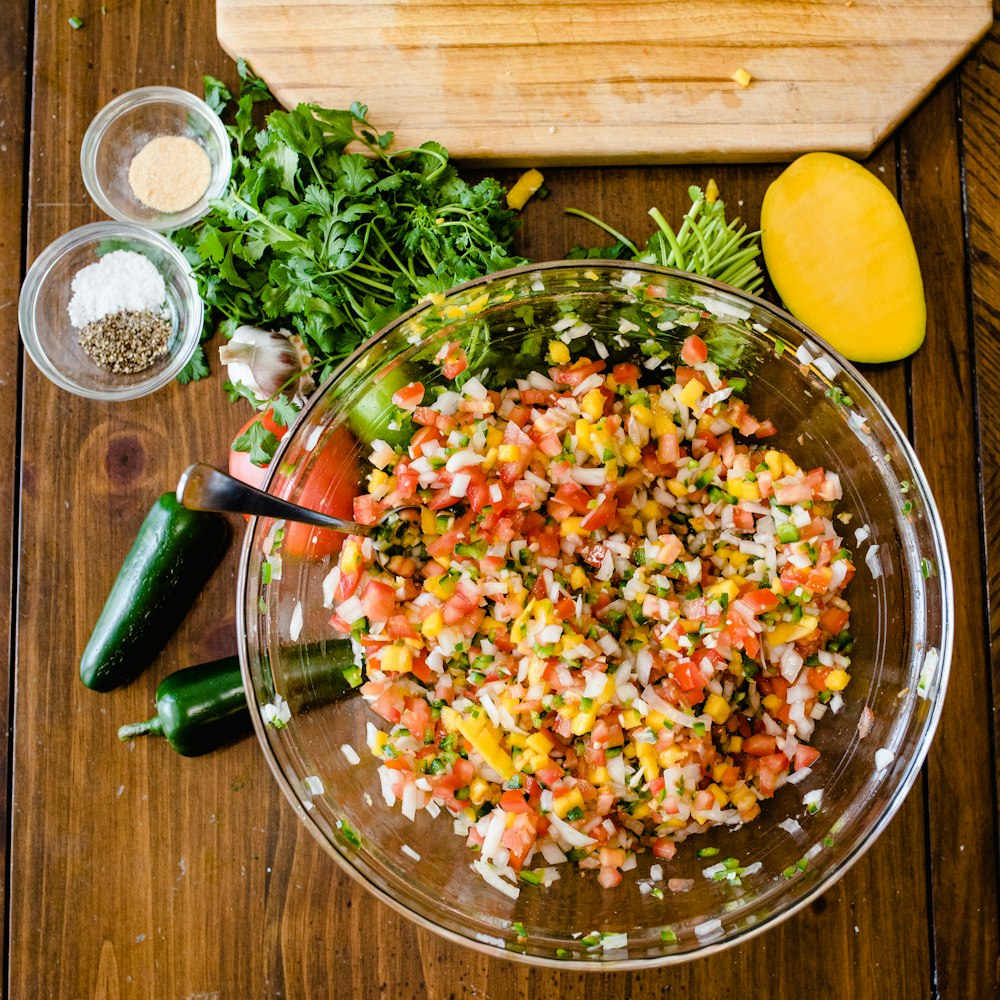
x: 51, y: 339
x: 123, y: 127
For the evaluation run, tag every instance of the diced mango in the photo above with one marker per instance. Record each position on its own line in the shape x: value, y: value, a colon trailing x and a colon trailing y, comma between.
x: 671, y: 757
x: 792, y: 631
x: 584, y: 439
x: 837, y: 680
x: 578, y: 578
x: 592, y: 404
x: 572, y: 526
x: 487, y: 746
x: 539, y: 742
x: 643, y: 414
x: 726, y: 587
x: 720, y: 796
x: 771, y: 702
x: 692, y: 392
x: 646, y: 752
x: 509, y: 453
x: 428, y: 521
x: 629, y: 719
x: 479, y: 791
x: 396, y: 659
x: 631, y: 454
x: 433, y: 624
x: 718, y: 708
x: 442, y: 587
x: 562, y: 804
x: 558, y: 352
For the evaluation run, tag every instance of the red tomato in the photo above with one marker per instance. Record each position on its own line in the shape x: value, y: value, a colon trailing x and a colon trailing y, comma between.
x: 453, y: 360
x: 833, y: 620
x: 626, y: 374
x: 330, y: 486
x: 694, y: 351
x: 513, y: 801
x: 760, y: 601
x: 760, y: 745
x: 576, y: 373
x: 805, y: 756
x: 378, y: 600
x: 409, y: 397
x: 601, y: 514
x: 240, y: 466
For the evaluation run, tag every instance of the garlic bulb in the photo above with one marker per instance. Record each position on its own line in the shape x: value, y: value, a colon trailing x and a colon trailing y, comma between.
x: 267, y: 362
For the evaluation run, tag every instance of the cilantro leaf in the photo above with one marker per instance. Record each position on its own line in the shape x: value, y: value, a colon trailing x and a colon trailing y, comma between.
x: 196, y: 369
x: 259, y: 442
x: 330, y: 243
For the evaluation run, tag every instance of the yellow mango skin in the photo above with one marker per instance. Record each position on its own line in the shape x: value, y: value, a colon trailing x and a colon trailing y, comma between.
x: 842, y: 259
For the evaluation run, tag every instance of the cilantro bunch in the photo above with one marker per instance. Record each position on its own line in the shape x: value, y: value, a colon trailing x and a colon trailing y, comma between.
x: 329, y: 242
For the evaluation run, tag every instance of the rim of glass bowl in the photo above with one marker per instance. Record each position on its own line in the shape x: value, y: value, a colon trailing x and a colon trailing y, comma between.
x: 869, y: 829
x: 134, y: 99
x: 40, y: 272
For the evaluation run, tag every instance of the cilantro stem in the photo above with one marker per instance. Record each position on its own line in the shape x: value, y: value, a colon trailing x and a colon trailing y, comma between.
x: 624, y: 240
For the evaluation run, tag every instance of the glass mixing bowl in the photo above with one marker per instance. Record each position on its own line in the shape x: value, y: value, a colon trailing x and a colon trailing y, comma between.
x: 902, y: 620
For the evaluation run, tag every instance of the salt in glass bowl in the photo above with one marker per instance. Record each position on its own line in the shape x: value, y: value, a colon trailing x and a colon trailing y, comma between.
x: 50, y: 338
x: 902, y: 621
x: 123, y: 127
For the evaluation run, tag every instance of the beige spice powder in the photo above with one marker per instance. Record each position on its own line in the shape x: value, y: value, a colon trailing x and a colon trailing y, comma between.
x: 170, y: 173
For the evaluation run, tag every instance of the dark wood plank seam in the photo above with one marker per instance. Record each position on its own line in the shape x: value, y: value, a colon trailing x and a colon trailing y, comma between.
x: 15, y: 514
x: 976, y: 383
x: 932, y: 970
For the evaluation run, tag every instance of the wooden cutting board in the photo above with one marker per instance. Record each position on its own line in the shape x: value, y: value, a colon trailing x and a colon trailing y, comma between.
x: 533, y: 82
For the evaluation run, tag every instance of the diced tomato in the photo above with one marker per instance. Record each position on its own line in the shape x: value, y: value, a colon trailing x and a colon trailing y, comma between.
x: 805, y: 756
x: 378, y: 600
x: 519, y: 838
x: 367, y: 510
x: 409, y: 397
x: 453, y: 360
x: 664, y: 849
x: 694, y: 350
x: 626, y: 374
x: 743, y: 519
x: 565, y: 608
x: 400, y: 627
x: 771, y: 766
x: 575, y: 374
x: 417, y: 717
x: 549, y: 775
x: 759, y: 745
x: 690, y: 678
x: 574, y: 496
x: 513, y: 801
x: 346, y: 585
x: 602, y: 514
x: 833, y: 620
x: 425, y: 416
x: 761, y: 600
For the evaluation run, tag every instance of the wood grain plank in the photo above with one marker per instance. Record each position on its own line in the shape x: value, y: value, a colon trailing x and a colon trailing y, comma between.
x: 594, y: 82
x: 980, y: 93
x: 15, y: 60
x: 963, y: 848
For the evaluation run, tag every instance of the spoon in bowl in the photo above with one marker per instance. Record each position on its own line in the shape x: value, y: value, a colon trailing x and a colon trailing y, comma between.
x: 203, y: 487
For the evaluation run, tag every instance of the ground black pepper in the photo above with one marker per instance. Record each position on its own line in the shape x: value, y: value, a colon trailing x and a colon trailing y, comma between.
x: 126, y: 342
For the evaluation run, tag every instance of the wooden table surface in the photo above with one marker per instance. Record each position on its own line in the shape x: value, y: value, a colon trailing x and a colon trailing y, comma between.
x: 131, y: 872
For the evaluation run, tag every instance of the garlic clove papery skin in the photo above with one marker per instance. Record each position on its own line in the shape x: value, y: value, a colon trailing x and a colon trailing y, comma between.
x: 266, y: 362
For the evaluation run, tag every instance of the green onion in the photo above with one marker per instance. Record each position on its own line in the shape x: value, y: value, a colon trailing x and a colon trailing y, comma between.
x: 76, y: 23
x: 707, y: 852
